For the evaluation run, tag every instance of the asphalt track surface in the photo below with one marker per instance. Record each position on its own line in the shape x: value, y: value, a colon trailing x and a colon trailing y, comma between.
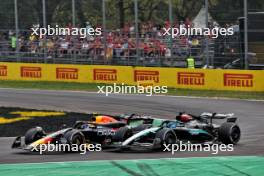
x: 250, y: 113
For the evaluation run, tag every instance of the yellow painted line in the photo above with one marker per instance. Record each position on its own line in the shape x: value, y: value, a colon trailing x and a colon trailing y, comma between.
x: 37, y: 113
x: 4, y: 120
x: 27, y: 115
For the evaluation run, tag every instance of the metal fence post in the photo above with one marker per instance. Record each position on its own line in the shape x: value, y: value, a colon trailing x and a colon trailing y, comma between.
x: 44, y: 25
x: 17, y: 30
x: 171, y: 25
x: 206, y: 37
x: 74, y: 25
x: 246, y: 34
x: 73, y: 13
x: 104, y: 28
x: 136, y: 29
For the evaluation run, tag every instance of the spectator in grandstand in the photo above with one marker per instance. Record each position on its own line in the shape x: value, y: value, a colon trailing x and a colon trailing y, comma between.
x: 50, y: 47
x: 3, y: 44
x: 64, y: 47
x: 13, y: 41
x: 190, y: 62
x: 120, y: 44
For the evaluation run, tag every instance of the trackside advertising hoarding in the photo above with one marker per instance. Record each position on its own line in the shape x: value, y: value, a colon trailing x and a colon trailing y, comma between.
x: 237, y: 80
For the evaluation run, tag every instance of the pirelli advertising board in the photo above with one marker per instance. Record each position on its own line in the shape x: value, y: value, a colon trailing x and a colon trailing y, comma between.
x: 241, y: 80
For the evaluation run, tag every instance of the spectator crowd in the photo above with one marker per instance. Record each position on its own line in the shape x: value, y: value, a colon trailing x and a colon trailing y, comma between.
x: 114, y: 46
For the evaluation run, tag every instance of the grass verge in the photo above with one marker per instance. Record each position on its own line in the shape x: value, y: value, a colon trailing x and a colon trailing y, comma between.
x: 46, y: 85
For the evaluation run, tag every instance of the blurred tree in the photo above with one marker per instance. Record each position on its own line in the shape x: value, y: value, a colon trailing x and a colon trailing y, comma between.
x: 7, y: 14
x: 121, y: 11
x: 118, y: 11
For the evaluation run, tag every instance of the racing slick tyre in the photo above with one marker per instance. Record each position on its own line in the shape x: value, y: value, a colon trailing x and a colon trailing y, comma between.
x: 229, y: 133
x: 78, y: 125
x: 74, y: 137
x: 166, y: 136
x: 33, y: 135
x: 122, y: 134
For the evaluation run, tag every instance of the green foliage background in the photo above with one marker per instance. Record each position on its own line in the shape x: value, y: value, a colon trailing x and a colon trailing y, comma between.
x: 118, y: 11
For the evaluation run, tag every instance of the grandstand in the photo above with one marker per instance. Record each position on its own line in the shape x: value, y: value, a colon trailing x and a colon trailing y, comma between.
x: 121, y: 45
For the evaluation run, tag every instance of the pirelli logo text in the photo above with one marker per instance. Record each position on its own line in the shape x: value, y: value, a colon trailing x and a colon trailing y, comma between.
x: 105, y: 74
x: 142, y: 75
x: 188, y: 78
x: 30, y: 72
x: 238, y: 80
x: 3, y: 70
x: 67, y: 73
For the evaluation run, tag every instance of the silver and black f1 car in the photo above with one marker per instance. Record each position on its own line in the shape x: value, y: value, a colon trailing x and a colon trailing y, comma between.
x: 186, y: 127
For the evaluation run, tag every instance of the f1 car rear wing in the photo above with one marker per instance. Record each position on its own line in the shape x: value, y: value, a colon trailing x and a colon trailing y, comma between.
x: 216, y: 115
x: 229, y: 117
x: 210, y: 116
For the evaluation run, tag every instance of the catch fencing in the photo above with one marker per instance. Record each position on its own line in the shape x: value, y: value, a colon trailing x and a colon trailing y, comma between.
x: 129, y: 37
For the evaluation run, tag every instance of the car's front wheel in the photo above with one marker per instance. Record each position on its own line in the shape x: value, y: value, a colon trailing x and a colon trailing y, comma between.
x: 33, y: 135
x: 166, y: 136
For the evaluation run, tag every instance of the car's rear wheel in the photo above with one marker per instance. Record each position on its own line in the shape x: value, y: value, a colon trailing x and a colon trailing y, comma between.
x: 34, y: 134
x: 229, y: 133
x: 78, y: 125
x: 74, y: 138
x: 122, y: 134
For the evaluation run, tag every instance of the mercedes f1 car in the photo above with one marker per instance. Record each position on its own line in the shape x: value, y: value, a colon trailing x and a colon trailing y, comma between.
x: 185, y: 128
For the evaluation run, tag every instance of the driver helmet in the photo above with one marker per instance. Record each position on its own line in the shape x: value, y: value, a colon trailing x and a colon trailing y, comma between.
x: 104, y: 119
x: 185, y: 118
